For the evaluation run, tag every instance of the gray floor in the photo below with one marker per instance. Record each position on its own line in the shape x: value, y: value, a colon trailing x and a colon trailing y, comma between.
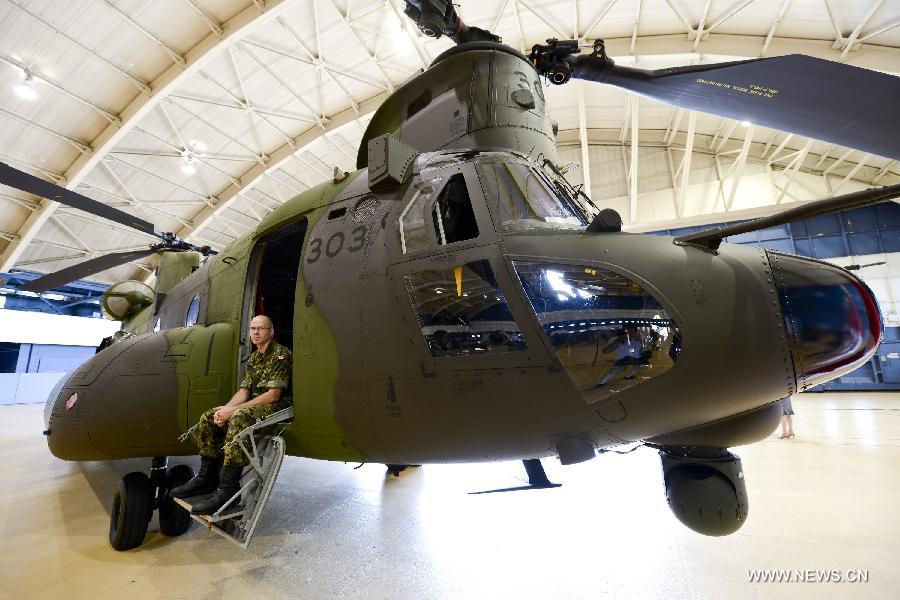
x: 826, y: 500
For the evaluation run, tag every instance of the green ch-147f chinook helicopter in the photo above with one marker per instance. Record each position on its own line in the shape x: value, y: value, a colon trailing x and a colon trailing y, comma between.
x: 456, y: 299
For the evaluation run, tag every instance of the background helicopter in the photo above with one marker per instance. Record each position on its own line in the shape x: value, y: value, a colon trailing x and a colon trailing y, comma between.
x: 463, y: 199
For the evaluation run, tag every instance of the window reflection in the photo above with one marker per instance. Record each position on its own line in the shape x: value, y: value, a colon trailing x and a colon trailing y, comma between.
x: 193, y: 312
x: 609, y: 333
x: 462, y: 311
x: 452, y: 216
x: 524, y: 199
x: 412, y: 219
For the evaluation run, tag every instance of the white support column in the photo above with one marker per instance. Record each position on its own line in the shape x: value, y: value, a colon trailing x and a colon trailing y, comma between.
x: 851, y: 174
x: 700, y: 32
x: 636, y: 25
x: 405, y: 25
x: 634, y: 160
x: 838, y: 36
x: 784, y: 7
x: 739, y: 165
x: 582, y: 135
x: 518, y: 20
x: 173, y: 54
x: 852, y: 39
x: 793, y: 169
x: 596, y: 21
x: 735, y: 10
x: 685, y: 168
x: 542, y: 18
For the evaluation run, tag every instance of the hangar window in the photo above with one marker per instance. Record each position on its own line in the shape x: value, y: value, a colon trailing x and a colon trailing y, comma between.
x: 462, y: 311
x: 193, y: 312
x: 608, y: 331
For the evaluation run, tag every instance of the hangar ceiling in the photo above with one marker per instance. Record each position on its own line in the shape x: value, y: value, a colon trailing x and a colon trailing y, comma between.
x: 204, y: 115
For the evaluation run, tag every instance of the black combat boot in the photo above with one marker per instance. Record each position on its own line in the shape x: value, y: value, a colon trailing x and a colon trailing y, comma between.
x: 206, y: 481
x: 228, y: 487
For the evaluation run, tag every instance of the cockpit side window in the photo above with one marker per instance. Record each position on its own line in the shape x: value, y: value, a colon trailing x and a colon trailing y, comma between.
x: 462, y: 311
x: 524, y: 199
x: 454, y: 219
x: 412, y: 219
x: 193, y: 312
x: 608, y: 331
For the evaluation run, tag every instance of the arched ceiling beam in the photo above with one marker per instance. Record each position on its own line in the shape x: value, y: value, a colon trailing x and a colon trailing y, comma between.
x: 275, y: 160
x: 880, y: 58
x: 234, y: 30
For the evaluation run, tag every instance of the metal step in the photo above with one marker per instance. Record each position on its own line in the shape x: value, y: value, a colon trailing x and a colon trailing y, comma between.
x: 237, y: 519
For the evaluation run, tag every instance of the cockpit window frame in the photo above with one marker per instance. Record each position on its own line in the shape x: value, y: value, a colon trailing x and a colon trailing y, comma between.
x: 483, y: 219
x: 492, y: 199
x: 682, y: 324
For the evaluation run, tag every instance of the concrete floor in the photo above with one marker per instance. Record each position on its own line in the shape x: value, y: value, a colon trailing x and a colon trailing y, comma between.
x: 826, y: 500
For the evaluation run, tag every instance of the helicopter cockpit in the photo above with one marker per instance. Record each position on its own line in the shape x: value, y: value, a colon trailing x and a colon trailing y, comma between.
x: 604, y: 328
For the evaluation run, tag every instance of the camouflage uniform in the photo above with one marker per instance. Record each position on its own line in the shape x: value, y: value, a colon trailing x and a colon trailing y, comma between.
x: 265, y: 370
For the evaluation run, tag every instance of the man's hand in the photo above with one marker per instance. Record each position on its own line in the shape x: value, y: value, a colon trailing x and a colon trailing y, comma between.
x: 222, y: 416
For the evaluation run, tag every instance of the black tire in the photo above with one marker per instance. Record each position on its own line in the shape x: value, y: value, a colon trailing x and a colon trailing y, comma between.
x: 173, y: 519
x: 131, y: 511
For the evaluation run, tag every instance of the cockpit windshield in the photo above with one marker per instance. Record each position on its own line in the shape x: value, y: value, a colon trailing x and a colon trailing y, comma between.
x: 525, y: 198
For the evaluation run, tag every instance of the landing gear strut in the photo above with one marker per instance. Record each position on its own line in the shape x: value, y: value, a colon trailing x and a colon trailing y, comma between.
x: 139, y: 495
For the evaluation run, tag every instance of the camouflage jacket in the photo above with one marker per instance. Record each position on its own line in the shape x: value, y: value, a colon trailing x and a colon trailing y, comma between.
x: 269, y: 369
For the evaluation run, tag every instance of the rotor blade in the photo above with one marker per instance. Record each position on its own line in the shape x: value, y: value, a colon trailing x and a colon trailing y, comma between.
x: 45, y: 189
x: 82, y: 270
x: 711, y: 238
x: 821, y: 99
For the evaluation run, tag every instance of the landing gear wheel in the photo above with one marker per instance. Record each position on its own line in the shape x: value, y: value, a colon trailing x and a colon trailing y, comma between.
x: 131, y: 511
x: 174, y: 520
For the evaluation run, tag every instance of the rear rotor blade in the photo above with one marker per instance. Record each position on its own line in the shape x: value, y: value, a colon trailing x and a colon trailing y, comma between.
x: 825, y: 100
x: 45, y: 189
x: 82, y: 270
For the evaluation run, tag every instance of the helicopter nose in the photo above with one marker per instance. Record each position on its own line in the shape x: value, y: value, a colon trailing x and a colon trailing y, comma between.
x: 832, y: 318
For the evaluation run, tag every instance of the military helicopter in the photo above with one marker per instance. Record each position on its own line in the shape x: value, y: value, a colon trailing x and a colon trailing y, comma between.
x: 456, y: 299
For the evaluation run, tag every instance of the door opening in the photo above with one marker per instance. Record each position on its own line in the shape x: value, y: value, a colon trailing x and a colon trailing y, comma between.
x: 276, y: 283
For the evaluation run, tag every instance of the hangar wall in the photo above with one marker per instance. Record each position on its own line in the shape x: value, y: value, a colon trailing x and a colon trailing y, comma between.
x: 32, y: 359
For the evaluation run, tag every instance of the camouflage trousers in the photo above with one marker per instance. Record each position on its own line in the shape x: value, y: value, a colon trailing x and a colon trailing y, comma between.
x: 215, y: 441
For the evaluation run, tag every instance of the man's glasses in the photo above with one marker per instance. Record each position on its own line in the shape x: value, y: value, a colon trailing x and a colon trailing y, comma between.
x: 258, y: 329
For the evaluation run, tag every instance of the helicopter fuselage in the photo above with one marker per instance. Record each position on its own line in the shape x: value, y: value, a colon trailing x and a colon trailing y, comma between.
x: 462, y: 312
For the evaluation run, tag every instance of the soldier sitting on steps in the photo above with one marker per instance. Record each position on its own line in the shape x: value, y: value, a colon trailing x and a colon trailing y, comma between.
x: 262, y: 392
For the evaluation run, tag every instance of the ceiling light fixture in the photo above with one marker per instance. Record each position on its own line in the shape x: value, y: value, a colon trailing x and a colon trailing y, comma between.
x: 188, y: 167
x: 746, y: 123
x: 25, y: 89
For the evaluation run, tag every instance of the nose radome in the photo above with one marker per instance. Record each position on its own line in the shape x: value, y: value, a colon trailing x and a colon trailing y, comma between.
x: 832, y: 318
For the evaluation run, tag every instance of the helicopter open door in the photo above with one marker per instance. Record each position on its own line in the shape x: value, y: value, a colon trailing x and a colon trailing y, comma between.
x: 272, y: 282
x: 270, y: 290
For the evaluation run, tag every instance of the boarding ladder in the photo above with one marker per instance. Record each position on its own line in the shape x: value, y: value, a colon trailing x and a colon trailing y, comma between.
x: 238, y: 517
